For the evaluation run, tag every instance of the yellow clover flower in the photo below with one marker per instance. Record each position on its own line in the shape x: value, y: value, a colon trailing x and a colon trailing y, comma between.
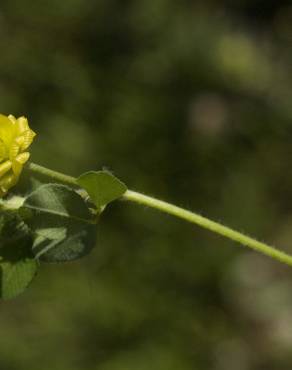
x: 15, y: 138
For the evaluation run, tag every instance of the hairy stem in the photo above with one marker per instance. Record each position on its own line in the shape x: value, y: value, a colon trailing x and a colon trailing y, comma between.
x: 57, y: 176
x: 209, y: 225
x: 181, y: 213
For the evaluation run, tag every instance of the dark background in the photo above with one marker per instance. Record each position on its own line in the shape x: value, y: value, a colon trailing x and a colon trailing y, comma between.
x: 190, y: 101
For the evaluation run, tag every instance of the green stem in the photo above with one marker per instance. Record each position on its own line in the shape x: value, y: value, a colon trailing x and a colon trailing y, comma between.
x: 209, y: 225
x: 57, y: 176
x: 184, y: 214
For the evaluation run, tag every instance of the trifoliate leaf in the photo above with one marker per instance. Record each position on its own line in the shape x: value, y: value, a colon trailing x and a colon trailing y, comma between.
x: 63, y: 225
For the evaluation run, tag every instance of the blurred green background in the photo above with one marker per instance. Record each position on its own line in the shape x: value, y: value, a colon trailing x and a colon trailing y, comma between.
x: 187, y: 100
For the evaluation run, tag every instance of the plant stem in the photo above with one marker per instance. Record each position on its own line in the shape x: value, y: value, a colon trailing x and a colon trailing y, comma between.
x: 57, y: 176
x: 209, y: 225
x: 184, y: 214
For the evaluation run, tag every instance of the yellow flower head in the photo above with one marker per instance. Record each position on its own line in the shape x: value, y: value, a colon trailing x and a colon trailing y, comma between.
x: 15, y: 138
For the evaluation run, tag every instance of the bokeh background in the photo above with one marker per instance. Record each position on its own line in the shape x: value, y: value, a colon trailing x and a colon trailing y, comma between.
x: 187, y: 100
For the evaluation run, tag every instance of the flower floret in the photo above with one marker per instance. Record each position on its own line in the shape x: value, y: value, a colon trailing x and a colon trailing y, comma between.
x: 15, y: 138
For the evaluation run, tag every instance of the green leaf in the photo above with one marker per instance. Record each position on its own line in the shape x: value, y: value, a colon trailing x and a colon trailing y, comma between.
x: 63, y: 225
x: 12, y: 229
x: 102, y: 187
x: 17, y: 264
